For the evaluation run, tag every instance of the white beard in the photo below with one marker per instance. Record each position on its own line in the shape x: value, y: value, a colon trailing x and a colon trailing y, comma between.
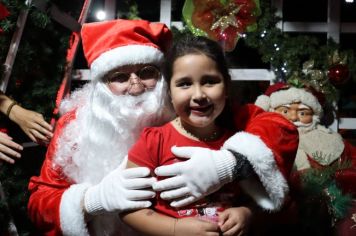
x: 106, y: 126
x: 305, y: 128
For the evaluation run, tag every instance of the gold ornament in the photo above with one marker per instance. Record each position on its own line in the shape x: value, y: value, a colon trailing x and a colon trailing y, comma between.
x: 226, y: 17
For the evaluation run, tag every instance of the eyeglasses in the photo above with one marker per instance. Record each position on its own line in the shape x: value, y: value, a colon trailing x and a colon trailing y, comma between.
x: 148, y: 75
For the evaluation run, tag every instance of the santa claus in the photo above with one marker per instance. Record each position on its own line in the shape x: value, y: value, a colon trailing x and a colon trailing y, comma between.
x: 82, y: 188
x: 99, y: 124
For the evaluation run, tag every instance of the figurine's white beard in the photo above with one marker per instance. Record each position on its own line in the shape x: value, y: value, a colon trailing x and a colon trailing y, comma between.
x: 106, y: 126
x: 305, y: 128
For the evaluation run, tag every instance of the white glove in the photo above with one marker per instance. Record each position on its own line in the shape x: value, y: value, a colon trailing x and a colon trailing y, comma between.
x: 121, y: 190
x: 204, y: 173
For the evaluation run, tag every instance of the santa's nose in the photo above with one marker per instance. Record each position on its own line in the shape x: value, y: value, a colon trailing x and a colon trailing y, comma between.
x: 293, y: 116
x: 136, y: 87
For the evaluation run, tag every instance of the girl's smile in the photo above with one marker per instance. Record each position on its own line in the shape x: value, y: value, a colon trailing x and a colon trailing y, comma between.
x: 202, y: 110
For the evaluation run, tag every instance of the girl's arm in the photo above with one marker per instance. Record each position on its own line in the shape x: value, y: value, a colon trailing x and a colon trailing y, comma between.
x: 150, y: 222
x: 147, y: 220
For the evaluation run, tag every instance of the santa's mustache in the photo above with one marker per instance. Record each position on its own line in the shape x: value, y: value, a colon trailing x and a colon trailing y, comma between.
x: 126, y: 112
x: 301, y: 124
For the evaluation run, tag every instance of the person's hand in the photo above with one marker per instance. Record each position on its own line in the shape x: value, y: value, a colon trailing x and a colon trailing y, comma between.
x: 205, y: 172
x: 235, y: 221
x: 121, y: 190
x: 195, y: 226
x: 32, y: 123
x: 9, y: 150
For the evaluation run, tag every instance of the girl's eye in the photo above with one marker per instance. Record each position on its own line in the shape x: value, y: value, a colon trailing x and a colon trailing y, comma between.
x: 302, y: 113
x: 211, y: 80
x: 285, y: 111
x: 183, y: 84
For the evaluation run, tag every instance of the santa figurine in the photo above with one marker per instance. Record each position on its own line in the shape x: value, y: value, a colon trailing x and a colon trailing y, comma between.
x: 319, y: 147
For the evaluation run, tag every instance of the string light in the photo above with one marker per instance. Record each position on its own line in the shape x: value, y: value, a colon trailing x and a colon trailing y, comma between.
x: 101, y: 15
x: 263, y: 34
x: 276, y: 46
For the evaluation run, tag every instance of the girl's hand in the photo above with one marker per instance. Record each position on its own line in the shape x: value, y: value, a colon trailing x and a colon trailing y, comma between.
x: 194, y: 227
x: 9, y: 150
x: 235, y: 221
x: 32, y: 123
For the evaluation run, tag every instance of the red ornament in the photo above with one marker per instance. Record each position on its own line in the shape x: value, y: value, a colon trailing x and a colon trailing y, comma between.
x: 18, y: 83
x: 3, y: 12
x: 202, y: 19
x: 246, y: 10
x: 227, y: 37
x: 345, y: 179
x: 338, y: 74
x: 4, y: 130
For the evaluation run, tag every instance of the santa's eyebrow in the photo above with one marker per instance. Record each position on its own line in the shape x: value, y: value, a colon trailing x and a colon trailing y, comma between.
x: 285, y: 105
x: 302, y: 106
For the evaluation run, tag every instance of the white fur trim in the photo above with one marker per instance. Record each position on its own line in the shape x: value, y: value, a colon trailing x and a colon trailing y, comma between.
x: 264, y: 165
x: 294, y: 95
x: 126, y: 55
x: 71, y: 211
x: 263, y: 101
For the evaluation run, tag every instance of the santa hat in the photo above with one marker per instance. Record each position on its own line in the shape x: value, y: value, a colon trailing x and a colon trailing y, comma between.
x: 115, y: 43
x: 281, y: 94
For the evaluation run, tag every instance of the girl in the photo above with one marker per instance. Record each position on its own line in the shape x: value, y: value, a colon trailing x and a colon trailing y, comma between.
x: 198, y: 81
